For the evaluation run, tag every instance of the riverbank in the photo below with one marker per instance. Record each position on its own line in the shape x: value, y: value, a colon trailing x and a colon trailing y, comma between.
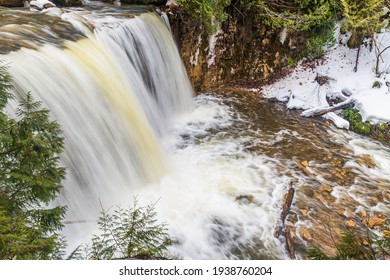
x: 320, y: 85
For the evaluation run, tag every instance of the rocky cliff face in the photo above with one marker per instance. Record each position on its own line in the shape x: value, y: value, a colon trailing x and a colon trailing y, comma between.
x: 240, y: 53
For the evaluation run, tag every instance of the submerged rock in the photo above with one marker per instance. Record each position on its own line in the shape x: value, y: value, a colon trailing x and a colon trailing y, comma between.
x: 350, y: 224
x: 374, y: 222
x: 305, y: 234
x: 366, y: 160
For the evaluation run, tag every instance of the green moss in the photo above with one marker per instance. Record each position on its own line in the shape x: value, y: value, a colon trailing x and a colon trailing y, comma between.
x: 376, y: 84
x: 355, y: 120
x: 381, y: 132
x: 382, y: 126
x: 293, y: 61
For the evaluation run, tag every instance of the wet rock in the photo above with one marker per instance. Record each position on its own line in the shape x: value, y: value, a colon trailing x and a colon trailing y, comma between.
x: 386, y: 233
x: 346, y: 213
x: 305, y: 234
x: 304, y: 211
x: 374, y: 222
x: 336, y: 163
x: 68, y: 3
x: 241, y: 48
x: 366, y: 160
x: 304, y: 169
x: 345, y: 151
x: 342, y: 176
x: 12, y: 3
x: 363, y: 213
x: 325, y: 188
x: 350, y: 224
x: 323, y: 194
x: 323, y: 79
x: 245, y: 199
x: 327, y: 176
x: 320, y: 197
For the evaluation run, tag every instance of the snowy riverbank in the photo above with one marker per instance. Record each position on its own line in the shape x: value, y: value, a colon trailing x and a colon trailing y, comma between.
x: 302, y: 89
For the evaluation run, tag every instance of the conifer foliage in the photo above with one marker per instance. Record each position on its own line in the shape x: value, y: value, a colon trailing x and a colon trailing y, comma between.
x: 130, y: 233
x: 30, y: 178
x: 363, y: 18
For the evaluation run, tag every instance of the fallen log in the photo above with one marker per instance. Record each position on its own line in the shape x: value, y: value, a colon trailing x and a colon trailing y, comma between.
x: 322, y: 111
x: 289, y: 243
x: 286, y: 208
x: 287, y: 204
x: 282, y: 229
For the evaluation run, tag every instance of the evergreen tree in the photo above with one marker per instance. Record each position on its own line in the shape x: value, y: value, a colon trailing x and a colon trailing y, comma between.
x: 363, y: 18
x: 130, y: 233
x: 293, y: 14
x: 30, y: 178
x: 211, y: 13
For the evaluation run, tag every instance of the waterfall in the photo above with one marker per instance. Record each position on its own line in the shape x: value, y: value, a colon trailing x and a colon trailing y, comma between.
x: 132, y: 128
x: 113, y: 93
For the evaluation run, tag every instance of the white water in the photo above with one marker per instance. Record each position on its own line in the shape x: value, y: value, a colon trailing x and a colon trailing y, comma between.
x: 131, y: 129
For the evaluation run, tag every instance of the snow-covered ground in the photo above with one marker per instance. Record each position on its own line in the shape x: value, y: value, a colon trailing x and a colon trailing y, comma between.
x: 300, y: 89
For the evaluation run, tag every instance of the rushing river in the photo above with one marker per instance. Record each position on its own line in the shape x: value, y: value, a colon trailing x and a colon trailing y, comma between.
x: 217, y: 167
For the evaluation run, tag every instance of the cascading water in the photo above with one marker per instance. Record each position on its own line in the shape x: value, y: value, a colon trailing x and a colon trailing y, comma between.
x: 217, y: 167
x: 124, y: 102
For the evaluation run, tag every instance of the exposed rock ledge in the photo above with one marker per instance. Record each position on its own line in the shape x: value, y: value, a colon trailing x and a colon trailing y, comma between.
x: 240, y: 53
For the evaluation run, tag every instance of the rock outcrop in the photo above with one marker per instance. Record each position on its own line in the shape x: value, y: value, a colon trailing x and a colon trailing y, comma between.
x: 240, y: 53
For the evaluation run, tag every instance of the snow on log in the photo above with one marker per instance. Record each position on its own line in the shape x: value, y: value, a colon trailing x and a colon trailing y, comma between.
x: 324, y: 110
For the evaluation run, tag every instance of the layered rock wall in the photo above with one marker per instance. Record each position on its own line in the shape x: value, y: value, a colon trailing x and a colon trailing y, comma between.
x: 241, y: 52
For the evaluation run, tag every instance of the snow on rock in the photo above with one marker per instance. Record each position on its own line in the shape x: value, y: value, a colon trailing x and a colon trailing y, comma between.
x: 77, y: 20
x: 374, y: 105
x: 39, y: 5
x: 337, y: 120
x: 302, y: 90
x: 171, y: 3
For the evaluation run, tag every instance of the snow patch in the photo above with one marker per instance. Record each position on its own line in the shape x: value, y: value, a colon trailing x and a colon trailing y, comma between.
x: 39, y: 5
x: 282, y: 35
x: 374, y: 105
x: 195, y: 57
x: 212, y: 42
